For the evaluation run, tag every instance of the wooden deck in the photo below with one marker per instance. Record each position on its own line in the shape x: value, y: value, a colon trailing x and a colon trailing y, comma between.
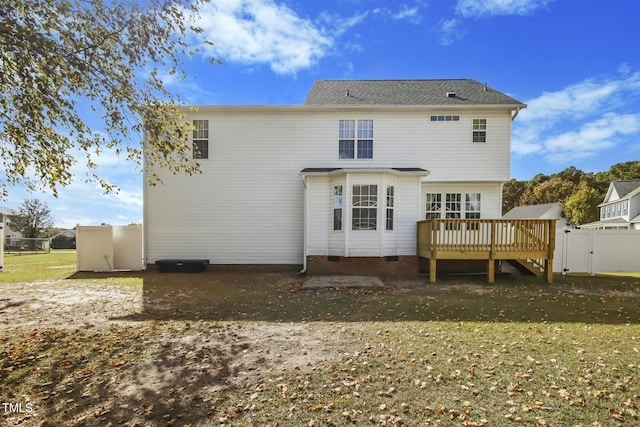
x: 525, y: 240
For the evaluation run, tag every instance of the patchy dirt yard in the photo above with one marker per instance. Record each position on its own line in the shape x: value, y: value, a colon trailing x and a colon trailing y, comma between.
x: 179, y: 349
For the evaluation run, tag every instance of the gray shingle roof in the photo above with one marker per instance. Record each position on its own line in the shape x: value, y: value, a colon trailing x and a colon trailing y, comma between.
x: 529, y: 211
x: 624, y: 187
x: 406, y: 92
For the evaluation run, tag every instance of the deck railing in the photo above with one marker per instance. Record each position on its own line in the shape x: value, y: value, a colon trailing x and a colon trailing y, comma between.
x: 489, y: 239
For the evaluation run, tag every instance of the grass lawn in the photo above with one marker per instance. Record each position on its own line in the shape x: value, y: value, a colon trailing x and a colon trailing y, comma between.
x: 252, y: 349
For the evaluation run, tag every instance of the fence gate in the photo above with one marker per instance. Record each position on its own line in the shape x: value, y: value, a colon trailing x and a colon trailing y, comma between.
x: 590, y: 251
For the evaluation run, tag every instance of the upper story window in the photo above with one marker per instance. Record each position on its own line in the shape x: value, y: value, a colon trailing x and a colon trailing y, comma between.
x: 445, y: 118
x: 355, y: 139
x: 614, y: 210
x: 201, y: 139
x: 479, y: 130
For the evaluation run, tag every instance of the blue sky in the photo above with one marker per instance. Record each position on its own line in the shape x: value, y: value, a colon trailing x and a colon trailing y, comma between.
x: 576, y: 63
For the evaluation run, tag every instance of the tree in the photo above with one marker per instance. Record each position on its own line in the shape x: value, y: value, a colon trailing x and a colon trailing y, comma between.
x: 59, y: 58
x: 553, y: 190
x: 511, y: 194
x: 582, y: 206
x: 33, y: 218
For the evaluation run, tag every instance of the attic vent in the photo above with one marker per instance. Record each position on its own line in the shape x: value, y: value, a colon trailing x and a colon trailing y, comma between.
x: 451, y: 94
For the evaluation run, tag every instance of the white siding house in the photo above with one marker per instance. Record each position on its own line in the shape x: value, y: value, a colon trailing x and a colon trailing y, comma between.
x: 621, y: 207
x: 345, y: 176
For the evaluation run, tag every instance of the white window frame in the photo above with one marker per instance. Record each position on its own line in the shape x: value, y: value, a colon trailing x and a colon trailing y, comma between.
x: 444, y: 118
x: 479, y: 131
x: 364, y: 206
x: 433, y: 205
x: 338, y: 212
x: 453, y: 205
x: 355, y: 139
x: 200, y: 139
x: 389, y: 223
x: 443, y: 205
x: 472, y: 205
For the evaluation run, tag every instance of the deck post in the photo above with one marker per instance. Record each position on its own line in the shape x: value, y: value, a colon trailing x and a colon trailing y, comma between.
x: 491, y: 266
x: 432, y: 269
x: 491, y: 270
x: 551, y: 247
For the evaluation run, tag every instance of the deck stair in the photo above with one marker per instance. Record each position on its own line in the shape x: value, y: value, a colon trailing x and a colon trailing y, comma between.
x: 528, y: 266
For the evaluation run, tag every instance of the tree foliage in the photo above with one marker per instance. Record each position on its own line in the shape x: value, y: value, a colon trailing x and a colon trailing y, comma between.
x: 579, y: 192
x: 582, y: 206
x: 62, y: 58
x: 33, y: 218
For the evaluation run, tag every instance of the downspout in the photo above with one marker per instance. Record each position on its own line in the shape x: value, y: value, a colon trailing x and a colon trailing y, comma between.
x: 304, y: 225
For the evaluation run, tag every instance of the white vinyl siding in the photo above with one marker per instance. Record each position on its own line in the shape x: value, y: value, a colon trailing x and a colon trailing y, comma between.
x: 247, y: 206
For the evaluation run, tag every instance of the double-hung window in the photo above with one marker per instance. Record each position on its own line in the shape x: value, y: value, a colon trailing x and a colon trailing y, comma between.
x: 453, y: 205
x: 355, y: 139
x: 201, y: 139
x: 456, y: 205
x: 434, y: 205
x: 347, y: 139
x: 479, y: 130
x: 390, y: 207
x: 472, y: 206
x: 364, y: 213
x: 337, y: 208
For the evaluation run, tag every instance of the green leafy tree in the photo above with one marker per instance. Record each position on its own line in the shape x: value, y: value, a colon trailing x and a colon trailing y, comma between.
x: 33, y: 219
x: 582, y: 206
x: 511, y: 194
x: 626, y: 170
x: 59, y: 58
x: 553, y: 190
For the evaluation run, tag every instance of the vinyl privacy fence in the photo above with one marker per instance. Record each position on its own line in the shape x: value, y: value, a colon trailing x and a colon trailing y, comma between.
x: 589, y: 251
x: 109, y: 248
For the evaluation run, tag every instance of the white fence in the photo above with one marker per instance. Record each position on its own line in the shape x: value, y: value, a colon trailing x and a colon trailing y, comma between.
x: 596, y: 251
x: 109, y: 248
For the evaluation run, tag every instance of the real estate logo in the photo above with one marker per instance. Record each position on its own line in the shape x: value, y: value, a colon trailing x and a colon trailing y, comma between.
x: 17, y: 408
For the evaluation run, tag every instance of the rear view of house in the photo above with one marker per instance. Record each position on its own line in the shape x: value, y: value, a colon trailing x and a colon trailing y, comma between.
x: 335, y: 185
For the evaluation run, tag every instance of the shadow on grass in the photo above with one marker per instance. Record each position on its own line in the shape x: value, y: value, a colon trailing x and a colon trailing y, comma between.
x: 277, y: 297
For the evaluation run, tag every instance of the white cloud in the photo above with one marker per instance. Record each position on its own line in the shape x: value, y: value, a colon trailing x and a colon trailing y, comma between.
x: 592, y: 137
x: 450, y: 31
x: 255, y: 32
x: 579, y: 121
x: 410, y: 14
x: 262, y: 32
x: 479, y: 8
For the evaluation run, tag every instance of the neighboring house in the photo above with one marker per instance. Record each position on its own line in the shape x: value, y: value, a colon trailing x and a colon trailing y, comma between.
x: 542, y: 211
x: 621, y: 207
x: 336, y: 184
x: 63, y: 239
x: 9, y: 234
